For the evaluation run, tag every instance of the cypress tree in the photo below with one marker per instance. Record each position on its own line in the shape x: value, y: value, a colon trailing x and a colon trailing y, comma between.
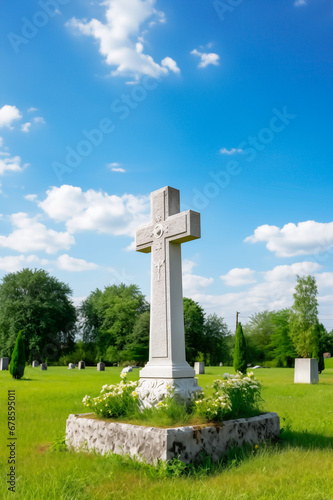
x: 240, y: 361
x: 17, y: 362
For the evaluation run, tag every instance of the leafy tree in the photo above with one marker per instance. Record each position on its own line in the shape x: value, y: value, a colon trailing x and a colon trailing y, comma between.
x: 108, y: 317
x: 37, y: 304
x: 259, y: 331
x: 281, y: 346
x: 303, y: 318
x: 215, y: 346
x: 240, y: 358
x: 138, y: 342
x: 318, y: 351
x: 194, y: 318
x: 17, y: 362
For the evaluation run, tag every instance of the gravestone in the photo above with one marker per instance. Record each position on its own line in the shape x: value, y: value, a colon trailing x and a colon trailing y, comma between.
x: 71, y: 366
x: 101, y: 366
x: 127, y: 369
x: 43, y: 366
x: 306, y: 371
x: 167, y: 366
x: 199, y: 368
x: 221, y: 364
x: 4, y: 363
x: 35, y: 364
x: 81, y: 365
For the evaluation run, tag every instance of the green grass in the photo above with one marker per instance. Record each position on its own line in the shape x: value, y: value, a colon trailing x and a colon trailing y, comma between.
x: 300, y: 466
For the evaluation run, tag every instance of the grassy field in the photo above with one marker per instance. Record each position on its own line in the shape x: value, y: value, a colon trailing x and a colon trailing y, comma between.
x: 300, y: 466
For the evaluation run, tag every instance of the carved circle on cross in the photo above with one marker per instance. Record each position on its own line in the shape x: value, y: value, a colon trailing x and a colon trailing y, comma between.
x: 158, y: 230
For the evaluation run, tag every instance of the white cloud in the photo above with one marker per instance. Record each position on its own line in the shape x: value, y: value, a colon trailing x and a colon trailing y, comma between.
x: 116, y: 167
x: 96, y: 210
x: 239, y: 277
x: 32, y: 109
x: 300, y: 3
x: 13, y: 164
x: 285, y: 272
x: 31, y: 197
x: 120, y: 38
x: 192, y: 283
x: 232, y: 151
x: 169, y: 63
x: 25, y: 126
x: 71, y: 264
x: 29, y: 235
x: 39, y: 119
x: 206, y: 59
x: 8, y: 114
x: 13, y: 263
x: 305, y: 238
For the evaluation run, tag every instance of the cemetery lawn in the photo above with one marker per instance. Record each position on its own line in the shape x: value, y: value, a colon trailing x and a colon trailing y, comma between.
x: 299, y: 466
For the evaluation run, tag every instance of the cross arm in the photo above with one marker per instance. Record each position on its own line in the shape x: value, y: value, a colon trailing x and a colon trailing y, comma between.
x: 184, y: 226
x: 144, y: 238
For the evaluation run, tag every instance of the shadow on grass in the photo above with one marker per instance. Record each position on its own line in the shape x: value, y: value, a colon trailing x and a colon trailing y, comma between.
x: 305, y: 440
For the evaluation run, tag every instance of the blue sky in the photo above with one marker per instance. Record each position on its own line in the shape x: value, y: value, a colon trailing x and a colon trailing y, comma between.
x: 102, y: 103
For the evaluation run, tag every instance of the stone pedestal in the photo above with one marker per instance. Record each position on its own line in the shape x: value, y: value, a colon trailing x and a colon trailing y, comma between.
x: 71, y: 366
x: 306, y: 371
x: 4, y: 364
x: 199, y: 368
x: 101, y: 366
x: 43, y: 366
x: 81, y: 365
x: 152, y: 443
x: 35, y: 364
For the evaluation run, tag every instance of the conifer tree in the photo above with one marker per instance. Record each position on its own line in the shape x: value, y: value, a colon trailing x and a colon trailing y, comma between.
x: 17, y: 362
x: 240, y: 361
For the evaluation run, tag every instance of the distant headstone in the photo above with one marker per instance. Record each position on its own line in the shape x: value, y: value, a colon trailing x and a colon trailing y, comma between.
x: 43, y: 366
x: 327, y: 355
x: 101, y: 366
x: 71, y: 366
x: 199, y: 367
x: 35, y: 364
x: 81, y: 365
x: 306, y: 371
x: 221, y: 364
x: 4, y: 363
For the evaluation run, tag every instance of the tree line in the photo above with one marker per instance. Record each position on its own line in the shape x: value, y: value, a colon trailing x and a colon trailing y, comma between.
x: 112, y: 325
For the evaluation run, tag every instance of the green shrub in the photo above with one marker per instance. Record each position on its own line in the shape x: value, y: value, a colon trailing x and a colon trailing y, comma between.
x: 17, y: 362
x: 236, y: 396
x: 240, y: 359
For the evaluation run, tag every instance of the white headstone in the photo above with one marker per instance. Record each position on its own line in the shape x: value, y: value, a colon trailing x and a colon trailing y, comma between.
x: 71, y: 366
x: 127, y: 369
x: 101, y: 366
x: 167, y: 366
x: 81, y: 365
x: 306, y: 371
x: 35, y: 364
x: 4, y: 363
x: 199, y: 367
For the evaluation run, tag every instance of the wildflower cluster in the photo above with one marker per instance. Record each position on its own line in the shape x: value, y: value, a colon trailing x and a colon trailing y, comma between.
x: 118, y: 400
x: 233, y: 397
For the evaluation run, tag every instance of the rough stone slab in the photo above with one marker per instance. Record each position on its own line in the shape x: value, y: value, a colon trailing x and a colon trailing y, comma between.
x: 199, y: 367
x: 306, y: 371
x: 152, y: 443
x: 35, y: 364
x: 101, y: 366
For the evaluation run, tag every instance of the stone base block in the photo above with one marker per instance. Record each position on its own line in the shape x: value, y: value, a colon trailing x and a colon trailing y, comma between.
x: 153, y: 390
x: 306, y: 371
x: 152, y: 443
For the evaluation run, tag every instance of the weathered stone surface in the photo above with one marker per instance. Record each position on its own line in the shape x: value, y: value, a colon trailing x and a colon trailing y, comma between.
x: 101, y: 366
x: 199, y: 368
x: 35, y: 364
x: 71, y: 366
x: 306, y: 371
x: 4, y: 363
x: 152, y: 391
x: 81, y: 365
x: 43, y: 366
x: 153, y: 443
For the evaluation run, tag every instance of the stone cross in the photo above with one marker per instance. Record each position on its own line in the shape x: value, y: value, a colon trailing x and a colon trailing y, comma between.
x: 163, y: 237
